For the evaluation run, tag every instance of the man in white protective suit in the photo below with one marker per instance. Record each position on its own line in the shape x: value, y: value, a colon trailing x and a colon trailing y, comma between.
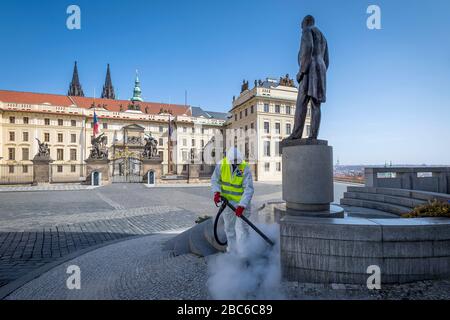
x: 232, y: 179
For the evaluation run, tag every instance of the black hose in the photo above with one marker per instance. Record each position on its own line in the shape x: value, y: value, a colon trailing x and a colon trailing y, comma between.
x: 224, y: 204
x: 216, y: 222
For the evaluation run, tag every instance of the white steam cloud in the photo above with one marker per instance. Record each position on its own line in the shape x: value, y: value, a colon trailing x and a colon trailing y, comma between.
x: 252, y: 274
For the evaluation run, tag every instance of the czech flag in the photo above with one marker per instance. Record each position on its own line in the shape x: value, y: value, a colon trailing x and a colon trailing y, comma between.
x: 96, y: 124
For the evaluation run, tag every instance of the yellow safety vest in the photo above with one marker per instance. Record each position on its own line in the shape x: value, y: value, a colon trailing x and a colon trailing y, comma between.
x: 231, y: 187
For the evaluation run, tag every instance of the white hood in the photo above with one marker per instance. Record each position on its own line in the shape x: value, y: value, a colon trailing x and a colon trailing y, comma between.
x: 234, y: 153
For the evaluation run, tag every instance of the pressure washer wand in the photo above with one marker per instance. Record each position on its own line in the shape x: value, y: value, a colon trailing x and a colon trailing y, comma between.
x: 249, y: 223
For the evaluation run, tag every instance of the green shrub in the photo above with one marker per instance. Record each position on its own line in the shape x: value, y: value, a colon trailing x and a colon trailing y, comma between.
x: 432, y: 209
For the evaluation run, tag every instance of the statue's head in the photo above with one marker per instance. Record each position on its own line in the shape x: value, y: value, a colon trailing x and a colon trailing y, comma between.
x: 308, y: 21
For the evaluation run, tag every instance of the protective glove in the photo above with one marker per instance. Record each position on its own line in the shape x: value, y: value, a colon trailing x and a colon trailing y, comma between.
x: 239, y: 211
x: 217, y: 199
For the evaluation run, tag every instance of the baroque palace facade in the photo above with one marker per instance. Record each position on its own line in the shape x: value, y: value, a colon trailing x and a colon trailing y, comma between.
x: 259, y: 119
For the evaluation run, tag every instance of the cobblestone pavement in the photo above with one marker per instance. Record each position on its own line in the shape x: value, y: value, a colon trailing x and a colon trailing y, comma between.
x: 48, y: 187
x: 43, y: 226
x: 140, y: 269
x: 133, y: 269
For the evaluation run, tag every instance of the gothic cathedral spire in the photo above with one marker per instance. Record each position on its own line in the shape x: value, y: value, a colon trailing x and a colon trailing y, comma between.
x: 75, y: 89
x: 108, y: 89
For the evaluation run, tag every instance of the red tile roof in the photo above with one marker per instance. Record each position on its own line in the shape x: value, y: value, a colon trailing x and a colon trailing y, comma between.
x: 7, y: 96
x: 34, y: 98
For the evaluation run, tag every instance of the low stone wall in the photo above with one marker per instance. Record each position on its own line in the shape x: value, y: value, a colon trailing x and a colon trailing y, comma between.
x: 325, y: 250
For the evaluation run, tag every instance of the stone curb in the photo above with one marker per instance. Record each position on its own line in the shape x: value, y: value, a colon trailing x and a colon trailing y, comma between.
x: 46, y: 190
x: 16, y: 284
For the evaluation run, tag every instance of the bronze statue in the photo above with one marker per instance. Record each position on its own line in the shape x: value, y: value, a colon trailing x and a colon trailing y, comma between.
x: 44, y: 150
x: 99, y: 150
x: 150, y: 148
x: 244, y: 86
x: 313, y: 62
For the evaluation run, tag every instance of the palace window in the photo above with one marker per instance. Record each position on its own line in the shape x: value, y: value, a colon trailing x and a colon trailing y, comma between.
x: 184, y: 129
x: 73, y: 138
x: 252, y: 126
x: 25, y: 136
x: 60, y: 122
x: 193, y: 129
x: 193, y: 142
x: 47, y: 137
x: 73, y: 168
x: 11, y: 154
x: 161, y: 129
x: 11, y: 169
x: 267, y: 166
x: 60, y: 137
x: 288, y: 109
x: 267, y: 148
x: 277, y: 148
x: 266, y: 127
x: 235, y: 117
x: 73, y: 123
x: 277, y: 108
x: 266, y: 107
x: 25, y: 120
x: 161, y: 142
x: 288, y: 128
x: 252, y: 109
x: 47, y: 121
x: 277, y: 128
x: 59, y: 154
x: 73, y: 154
x: 203, y: 130
x: 184, y: 143
x: 59, y: 168
x: 24, y: 169
x: 246, y: 112
x: 184, y: 155
x: 12, y: 136
x: 105, y: 125
x: 25, y: 154
x: 12, y: 119
x: 278, y: 166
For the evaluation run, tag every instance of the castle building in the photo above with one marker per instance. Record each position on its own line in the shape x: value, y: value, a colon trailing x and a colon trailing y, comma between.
x: 259, y: 119
x: 65, y: 123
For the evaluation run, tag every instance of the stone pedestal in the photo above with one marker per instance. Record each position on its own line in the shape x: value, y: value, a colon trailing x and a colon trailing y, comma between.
x: 194, y: 173
x: 98, y: 165
x: 155, y: 165
x: 307, y: 176
x: 41, y: 170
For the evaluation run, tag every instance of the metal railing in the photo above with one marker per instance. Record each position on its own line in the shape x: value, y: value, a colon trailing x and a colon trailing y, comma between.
x: 16, y: 174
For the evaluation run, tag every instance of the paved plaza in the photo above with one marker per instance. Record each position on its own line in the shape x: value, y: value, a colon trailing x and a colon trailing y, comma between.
x: 39, y: 227
x: 116, y: 233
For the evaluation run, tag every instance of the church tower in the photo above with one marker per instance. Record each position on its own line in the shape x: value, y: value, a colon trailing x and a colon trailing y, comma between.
x: 137, y: 90
x: 75, y: 89
x: 108, y: 89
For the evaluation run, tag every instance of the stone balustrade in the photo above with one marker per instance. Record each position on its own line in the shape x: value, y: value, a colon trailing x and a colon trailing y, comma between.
x: 432, y: 179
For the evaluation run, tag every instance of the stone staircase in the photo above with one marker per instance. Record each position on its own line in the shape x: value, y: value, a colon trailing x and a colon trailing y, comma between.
x: 198, y: 240
x: 396, y: 201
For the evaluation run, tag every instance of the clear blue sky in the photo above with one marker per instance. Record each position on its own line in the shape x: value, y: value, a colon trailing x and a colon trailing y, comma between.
x: 388, y: 90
